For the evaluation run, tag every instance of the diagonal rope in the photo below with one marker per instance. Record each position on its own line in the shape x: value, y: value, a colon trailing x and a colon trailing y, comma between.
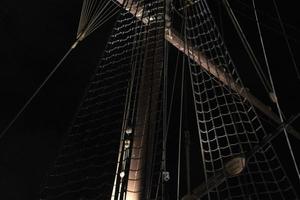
x: 35, y: 94
x: 264, y: 14
x: 106, y: 18
x: 247, y: 47
x: 92, y: 16
x: 184, y: 25
x: 86, y: 15
x: 285, y: 35
x: 96, y: 15
x: 274, y: 92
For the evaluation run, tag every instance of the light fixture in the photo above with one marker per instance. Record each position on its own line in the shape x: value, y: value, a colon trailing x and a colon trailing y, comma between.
x: 128, y: 130
x: 122, y: 174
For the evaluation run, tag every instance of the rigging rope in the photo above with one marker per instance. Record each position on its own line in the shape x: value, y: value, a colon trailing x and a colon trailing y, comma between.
x: 92, y: 17
x: 94, y: 14
x: 180, y: 129
x: 247, y: 47
x: 127, y: 118
x: 287, y: 42
x: 173, y: 87
x: 94, y: 138
x: 264, y: 14
x: 275, y: 99
x: 275, y: 30
x: 34, y: 94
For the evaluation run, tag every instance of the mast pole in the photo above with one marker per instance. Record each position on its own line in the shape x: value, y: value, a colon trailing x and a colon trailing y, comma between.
x: 147, y: 105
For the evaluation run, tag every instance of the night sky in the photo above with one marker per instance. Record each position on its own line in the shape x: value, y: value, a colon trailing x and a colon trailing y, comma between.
x: 36, y: 34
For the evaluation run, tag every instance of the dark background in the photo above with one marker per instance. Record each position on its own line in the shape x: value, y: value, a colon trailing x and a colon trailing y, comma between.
x: 36, y: 34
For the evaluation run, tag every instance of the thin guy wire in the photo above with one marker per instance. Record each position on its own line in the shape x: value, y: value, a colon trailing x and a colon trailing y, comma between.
x: 247, y: 47
x: 274, y: 91
x: 35, y: 93
x: 100, y: 17
x: 95, y: 26
x: 267, y: 15
x: 287, y: 41
x: 96, y: 15
x: 125, y: 122
x: 180, y: 131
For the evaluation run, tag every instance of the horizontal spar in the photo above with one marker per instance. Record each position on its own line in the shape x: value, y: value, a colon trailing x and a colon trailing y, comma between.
x: 176, y: 40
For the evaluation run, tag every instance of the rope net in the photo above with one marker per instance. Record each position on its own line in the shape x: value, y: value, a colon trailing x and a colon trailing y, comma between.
x: 228, y: 126
x: 122, y: 105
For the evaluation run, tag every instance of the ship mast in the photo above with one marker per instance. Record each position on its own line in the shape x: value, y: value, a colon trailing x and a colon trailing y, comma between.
x: 236, y: 153
x: 145, y: 124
